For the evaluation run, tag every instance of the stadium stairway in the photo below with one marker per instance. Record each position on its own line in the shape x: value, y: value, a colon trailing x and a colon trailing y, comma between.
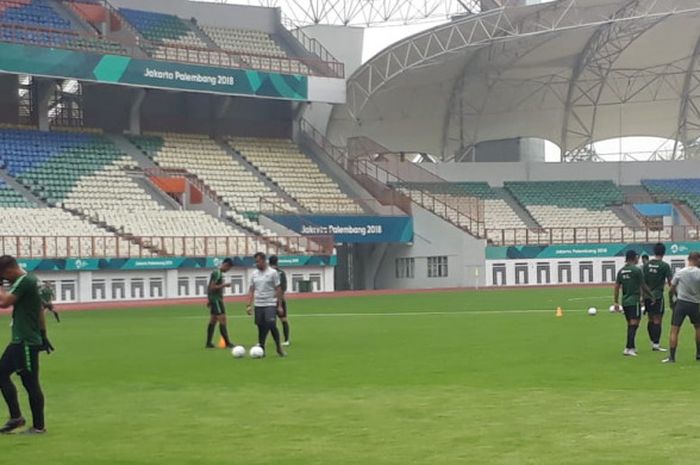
x: 160, y: 196
x: 19, y: 188
x: 519, y: 210
x: 123, y: 144
x: 338, y: 173
x: 628, y: 215
x: 78, y: 24
x: 204, y: 37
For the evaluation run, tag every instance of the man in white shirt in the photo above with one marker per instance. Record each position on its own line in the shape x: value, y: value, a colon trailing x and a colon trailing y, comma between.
x: 265, y: 298
x: 685, y: 301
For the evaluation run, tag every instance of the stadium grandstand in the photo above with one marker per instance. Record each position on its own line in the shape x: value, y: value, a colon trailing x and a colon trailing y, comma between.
x: 169, y: 135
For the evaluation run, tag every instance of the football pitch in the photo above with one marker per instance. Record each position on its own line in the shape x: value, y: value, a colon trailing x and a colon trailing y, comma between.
x: 488, y: 377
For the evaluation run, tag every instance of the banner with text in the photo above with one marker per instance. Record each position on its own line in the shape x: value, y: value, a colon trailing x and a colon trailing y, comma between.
x: 161, y: 263
x: 526, y: 252
x: 351, y: 229
x: 117, y: 69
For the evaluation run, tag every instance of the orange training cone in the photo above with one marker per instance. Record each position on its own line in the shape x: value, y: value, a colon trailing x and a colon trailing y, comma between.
x: 560, y: 312
x: 222, y: 343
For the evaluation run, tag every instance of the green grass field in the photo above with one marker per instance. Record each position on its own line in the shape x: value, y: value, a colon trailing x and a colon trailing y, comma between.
x: 445, y: 378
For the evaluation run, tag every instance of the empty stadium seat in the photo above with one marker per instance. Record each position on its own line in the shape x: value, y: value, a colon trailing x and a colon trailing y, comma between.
x: 282, y: 162
x: 497, y: 214
x: 162, y: 28
x: 33, y: 13
x: 85, y: 172
x: 9, y: 198
x: 570, y: 204
x: 676, y: 190
x: 203, y: 157
x: 252, y: 46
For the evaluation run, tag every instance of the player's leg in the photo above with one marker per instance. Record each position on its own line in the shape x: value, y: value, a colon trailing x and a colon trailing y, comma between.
x: 212, y: 324
x: 271, y: 319
x: 223, y: 329
x: 694, y: 316
x: 676, y: 323
x: 30, y: 380
x: 633, y: 316
x: 285, y: 323
x: 655, y: 313
x: 650, y: 321
x: 9, y: 365
x: 262, y: 326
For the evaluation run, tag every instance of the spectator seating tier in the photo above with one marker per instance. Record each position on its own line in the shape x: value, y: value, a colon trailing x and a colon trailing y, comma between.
x: 213, y: 165
x: 570, y: 204
x: 679, y: 190
x: 283, y: 163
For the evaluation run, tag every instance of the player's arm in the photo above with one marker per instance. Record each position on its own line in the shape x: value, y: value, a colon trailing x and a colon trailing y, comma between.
x: 7, y: 299
x: 45, y: 344
x: 647, y: 292
x: 616, y: 296
x: 251, y: 299
x: 217, y: 287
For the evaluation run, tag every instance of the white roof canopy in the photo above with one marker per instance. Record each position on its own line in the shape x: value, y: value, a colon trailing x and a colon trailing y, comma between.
x: 571, y: 71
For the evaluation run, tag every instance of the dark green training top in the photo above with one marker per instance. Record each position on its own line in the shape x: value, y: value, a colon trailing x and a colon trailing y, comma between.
x: 630, y: 277
x: 217, y: 278
x: 46, y: 294
x: 656, y: 275
x: 26, y: 311
x: 283, y: 279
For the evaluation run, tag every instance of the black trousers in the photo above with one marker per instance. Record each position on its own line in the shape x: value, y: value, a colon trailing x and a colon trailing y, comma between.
x: 22, y: 359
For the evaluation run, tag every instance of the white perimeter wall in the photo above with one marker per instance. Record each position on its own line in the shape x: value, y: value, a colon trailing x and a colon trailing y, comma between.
x: 434, y: 237
x: 624, y: 173
x: 109, y: 286
x: 553, y: 272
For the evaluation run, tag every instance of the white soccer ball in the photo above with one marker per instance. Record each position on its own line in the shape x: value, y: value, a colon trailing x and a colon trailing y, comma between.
x: 256, y: 352
x: 592, y: 311
x: 238, y: 352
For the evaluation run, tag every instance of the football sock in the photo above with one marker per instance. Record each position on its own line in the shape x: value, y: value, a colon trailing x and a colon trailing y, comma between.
x: 224, y: 333
x: 9, y: 393
x: 285, y: 329
x: 631, y: 334
x: 30, y: 380
x: 210, y: 332
x: 673, y: 353
x: 651, y: 329
x: 657, y: 333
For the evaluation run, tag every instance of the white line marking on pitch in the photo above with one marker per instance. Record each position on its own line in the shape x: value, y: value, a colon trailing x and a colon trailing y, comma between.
x: 345, y: 315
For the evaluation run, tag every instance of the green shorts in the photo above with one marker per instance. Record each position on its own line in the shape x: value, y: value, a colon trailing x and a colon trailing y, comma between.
x: 216, y: 307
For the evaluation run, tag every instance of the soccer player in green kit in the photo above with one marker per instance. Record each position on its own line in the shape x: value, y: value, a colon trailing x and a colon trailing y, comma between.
x: 28, y: 339
x: 631, y: 280
x: 215, y: 303
x: 657, y: 273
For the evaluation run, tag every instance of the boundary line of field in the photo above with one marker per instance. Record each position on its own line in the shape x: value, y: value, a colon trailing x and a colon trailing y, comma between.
x: 146, y: 303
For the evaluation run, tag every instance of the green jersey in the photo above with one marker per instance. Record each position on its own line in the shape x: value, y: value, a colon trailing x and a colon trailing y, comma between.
x: 217, y: 278
x: 283, y: 279
x: 630, y: 278
x: 656, y: 274
x: 26, y: 311
x: 46, y: 294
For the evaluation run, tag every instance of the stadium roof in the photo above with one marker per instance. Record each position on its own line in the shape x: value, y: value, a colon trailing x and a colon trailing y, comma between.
x: 367, y: 12
x: 570, y: 71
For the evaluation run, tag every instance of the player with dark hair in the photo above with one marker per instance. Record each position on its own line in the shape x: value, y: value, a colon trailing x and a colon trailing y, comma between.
x: 284, y: 318
x: 657, y: 273
x: 631, y: 280
x: 215, y: 303
x: 645, y: 260
x: 685, y: 302
x: 266, y: 299
x: 28, y: 339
